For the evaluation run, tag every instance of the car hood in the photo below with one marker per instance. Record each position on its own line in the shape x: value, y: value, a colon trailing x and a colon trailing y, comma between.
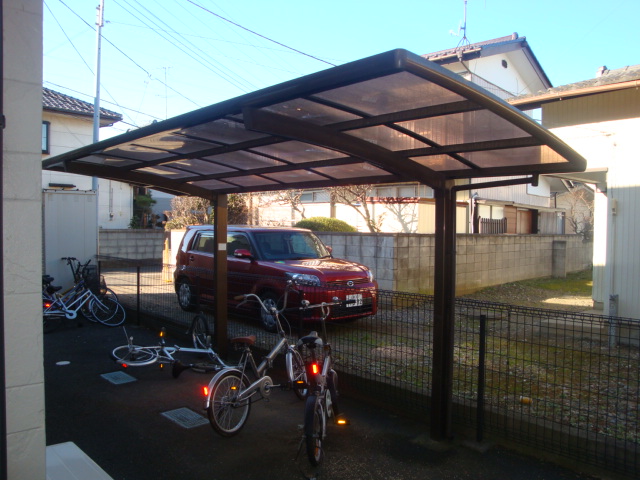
x: 327, y: 268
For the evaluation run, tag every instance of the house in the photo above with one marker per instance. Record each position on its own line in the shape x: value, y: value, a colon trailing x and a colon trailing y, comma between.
x: 67, y: 124
x: 504, y: 66
x: 600, y: 118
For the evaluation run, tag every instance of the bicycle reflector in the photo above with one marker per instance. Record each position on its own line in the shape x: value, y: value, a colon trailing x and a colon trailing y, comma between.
x: 205, y: 390
x: 342, y: 421
x: 46, y: 304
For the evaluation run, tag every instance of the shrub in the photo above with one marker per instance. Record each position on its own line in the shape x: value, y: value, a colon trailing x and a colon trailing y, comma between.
x: 325, y: 224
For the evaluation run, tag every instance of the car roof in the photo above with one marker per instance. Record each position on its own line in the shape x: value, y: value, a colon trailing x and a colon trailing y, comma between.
x: 252, y: 228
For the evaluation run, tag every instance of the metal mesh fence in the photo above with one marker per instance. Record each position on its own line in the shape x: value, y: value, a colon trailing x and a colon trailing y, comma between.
x: 562, y: 382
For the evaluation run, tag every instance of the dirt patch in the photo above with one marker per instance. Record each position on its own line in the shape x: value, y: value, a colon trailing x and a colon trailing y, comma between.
x: 530, y: 296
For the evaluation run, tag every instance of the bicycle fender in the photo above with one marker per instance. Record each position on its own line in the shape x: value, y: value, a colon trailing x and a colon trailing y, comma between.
x: 215, y: 380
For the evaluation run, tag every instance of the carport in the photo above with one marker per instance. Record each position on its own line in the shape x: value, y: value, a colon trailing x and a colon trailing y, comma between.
x: 393, y: 117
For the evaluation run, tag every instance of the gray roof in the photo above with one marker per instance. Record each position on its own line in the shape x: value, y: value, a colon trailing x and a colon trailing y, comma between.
x: 473, y: 47
x: 625, y: 77
x: 59, y: 102
x: 510, y: 43
x: 608, y: 77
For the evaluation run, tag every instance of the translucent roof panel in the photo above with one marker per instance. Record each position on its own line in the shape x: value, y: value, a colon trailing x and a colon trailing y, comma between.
x: 394, y: 117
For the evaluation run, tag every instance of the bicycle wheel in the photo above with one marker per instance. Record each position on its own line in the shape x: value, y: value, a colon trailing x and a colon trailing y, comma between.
x: 134, y: 355
x: 199, y: 331
x: 296, y: 372
x: 107, y: 311
x: 332, y: 402
x: 314, y: 429
x: 226, y: 414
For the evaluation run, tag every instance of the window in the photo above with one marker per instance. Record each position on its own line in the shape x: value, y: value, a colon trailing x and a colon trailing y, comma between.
x: 204, y: 243
x: 45, y: 136
x: 314, y: 196
x: 237, y: 241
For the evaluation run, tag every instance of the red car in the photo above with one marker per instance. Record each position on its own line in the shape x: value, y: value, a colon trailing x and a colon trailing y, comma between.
x: 261, y: 260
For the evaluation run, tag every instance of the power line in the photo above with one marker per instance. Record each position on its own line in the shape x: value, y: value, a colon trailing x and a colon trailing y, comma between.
x: 260, y: 35
x: 127, y: 56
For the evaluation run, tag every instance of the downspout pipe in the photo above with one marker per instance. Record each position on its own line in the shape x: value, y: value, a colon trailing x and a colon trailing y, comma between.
x: 3, y: 383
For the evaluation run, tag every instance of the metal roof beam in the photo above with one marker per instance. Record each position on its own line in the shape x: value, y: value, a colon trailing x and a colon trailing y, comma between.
x: 286, y: 127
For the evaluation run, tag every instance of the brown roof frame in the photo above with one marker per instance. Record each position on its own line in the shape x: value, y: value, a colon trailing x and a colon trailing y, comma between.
x: 120, y: 157
x: 439, y: 142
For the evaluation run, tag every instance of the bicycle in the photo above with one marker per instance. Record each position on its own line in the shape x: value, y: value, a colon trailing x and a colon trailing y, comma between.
x: 131, y: 355
x: 322, y: 402
x: 89, y: 273
x: 79, y: 299
x: 229, y: 394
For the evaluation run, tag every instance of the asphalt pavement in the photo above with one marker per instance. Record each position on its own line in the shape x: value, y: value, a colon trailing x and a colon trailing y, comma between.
x: 154, y: 427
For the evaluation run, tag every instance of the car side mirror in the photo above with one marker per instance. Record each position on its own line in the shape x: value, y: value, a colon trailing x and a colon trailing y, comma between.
x: 330, y: 249
x: 243, y: 253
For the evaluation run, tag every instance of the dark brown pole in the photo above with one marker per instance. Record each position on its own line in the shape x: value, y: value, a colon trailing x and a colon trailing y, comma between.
x: 220, y: 273
x: 443, y: 313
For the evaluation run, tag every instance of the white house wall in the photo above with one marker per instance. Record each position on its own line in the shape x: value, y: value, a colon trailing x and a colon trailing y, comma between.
x: 614, y: 145
x: 67, y: 132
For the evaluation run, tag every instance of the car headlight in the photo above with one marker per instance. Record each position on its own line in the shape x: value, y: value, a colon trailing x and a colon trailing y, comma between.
x: 304, y: 279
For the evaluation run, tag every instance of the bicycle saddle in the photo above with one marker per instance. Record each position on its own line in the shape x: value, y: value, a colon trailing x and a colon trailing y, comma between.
x: 248, y: 340
x: 311, y: 341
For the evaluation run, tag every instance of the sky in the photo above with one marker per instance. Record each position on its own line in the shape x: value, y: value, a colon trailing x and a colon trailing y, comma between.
x: 162, y: 58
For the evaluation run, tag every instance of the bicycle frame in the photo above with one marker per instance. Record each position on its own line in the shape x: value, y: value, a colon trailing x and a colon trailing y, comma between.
x: 263, y: 383
x: 70, y: 302
x: 164, y: 354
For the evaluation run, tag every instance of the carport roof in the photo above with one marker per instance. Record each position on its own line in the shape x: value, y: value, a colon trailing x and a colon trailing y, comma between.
x: 393, y: 117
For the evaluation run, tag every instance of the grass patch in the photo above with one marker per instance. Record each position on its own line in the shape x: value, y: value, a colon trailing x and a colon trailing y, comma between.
x: 577, y: 283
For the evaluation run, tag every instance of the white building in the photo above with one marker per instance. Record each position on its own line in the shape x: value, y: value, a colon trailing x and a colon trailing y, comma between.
x: 600, y: 119
x: 67, y: 124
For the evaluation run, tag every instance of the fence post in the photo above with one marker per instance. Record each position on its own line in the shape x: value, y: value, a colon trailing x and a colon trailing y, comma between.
x: 481, y: 378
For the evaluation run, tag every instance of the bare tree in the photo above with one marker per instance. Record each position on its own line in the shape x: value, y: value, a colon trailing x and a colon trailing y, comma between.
x: 292, y: 198
x: 578, y: 202
x: 188, y: 210
x: 357, y: 196
x: 404, y: 210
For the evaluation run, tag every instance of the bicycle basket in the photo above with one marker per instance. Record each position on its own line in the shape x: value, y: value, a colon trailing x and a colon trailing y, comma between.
x: 94, y: 282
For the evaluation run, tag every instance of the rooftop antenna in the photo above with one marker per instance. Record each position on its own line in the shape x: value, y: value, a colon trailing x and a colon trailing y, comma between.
x: 463, y: 26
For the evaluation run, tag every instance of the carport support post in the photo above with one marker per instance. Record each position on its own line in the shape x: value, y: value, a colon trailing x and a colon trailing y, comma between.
x: 220, y: 274
x: 443, y: 312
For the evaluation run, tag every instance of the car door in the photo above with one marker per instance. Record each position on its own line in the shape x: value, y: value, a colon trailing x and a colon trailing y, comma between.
x: 240, y: 270
x: 200, y: 258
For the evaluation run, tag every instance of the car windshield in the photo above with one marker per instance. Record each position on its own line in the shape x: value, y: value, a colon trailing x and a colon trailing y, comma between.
x: 290, y: 245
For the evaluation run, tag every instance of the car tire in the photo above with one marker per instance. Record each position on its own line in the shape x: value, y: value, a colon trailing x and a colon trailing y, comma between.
x: 268, y: 322
x: 186, y: 296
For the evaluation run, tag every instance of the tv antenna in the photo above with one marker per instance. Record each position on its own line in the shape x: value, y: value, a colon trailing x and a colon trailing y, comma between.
x: 462, y: 27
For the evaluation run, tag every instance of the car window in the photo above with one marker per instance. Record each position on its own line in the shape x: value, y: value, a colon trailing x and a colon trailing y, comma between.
x: 290, y: 245
x: 203, y: 243
x: 236, y: 241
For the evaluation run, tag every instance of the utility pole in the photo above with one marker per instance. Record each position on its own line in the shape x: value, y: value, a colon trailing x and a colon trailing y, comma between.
x: 96, y: 101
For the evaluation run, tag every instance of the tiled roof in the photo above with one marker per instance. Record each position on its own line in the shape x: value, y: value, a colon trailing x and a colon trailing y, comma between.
x: 607, y: 77
x: 472, y: 47
x: 60, y: 102
x: 607, y: 80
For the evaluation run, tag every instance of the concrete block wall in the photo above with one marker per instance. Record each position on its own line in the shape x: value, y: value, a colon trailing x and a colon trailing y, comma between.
x: 405, y: 262
x: 131, y: 244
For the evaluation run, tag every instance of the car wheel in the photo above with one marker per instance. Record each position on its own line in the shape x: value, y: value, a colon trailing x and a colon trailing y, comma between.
x: 267, y: 320
x: 186, y: 298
